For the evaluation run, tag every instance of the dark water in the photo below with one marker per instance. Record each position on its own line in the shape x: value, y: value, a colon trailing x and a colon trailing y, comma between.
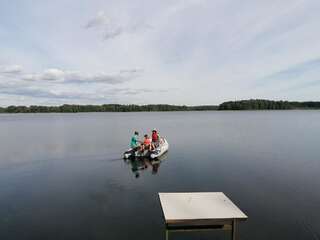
x: 62, y: 176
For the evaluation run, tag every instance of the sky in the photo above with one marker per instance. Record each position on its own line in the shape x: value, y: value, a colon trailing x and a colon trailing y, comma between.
x: 193, y: 52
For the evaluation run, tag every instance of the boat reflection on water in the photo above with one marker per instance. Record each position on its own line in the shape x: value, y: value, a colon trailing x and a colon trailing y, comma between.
x: 143, y: 164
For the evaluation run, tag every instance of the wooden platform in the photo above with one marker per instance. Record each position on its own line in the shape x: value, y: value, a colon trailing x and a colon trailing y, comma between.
x: 199, y: 210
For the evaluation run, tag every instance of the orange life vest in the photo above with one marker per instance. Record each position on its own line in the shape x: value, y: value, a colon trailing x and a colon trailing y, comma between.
x: 147, y: 141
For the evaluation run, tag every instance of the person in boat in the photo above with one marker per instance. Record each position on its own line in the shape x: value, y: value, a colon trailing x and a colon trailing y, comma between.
x: 147, y: 142
x: 135, y: 143
x: 155, y: 138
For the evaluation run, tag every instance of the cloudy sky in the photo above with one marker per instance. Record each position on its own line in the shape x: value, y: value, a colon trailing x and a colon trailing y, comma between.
x: 169, y: 51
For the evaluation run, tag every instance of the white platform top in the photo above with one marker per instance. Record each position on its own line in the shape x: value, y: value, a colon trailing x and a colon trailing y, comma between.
x: 199, y: 205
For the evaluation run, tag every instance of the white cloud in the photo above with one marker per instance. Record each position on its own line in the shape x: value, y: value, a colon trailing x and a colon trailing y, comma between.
x: 52, y: 74
x: 65, y: 76
x: 10, y: 69
x: 99, y: 20
x: 111, y: 27
x: 70, y: 86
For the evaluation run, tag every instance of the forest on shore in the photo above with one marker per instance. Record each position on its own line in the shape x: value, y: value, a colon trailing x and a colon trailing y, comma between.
x: 252, y: 104
x: 261, y: 104
x: 67, y: 108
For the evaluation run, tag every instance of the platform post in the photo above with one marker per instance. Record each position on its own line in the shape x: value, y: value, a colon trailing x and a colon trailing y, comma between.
x: 234, y: 225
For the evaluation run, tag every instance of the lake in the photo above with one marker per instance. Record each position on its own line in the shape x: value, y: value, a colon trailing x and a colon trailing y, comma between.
x: 62, y: 176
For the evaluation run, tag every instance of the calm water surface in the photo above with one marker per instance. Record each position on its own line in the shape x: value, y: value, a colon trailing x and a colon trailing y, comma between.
x: 62, y: 176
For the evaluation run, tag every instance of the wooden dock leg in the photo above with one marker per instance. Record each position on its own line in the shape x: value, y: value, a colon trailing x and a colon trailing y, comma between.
x: 167, y: 234
x: 234, y: 223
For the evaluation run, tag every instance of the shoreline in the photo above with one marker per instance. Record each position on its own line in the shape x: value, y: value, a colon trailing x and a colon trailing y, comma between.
x: 241, y: 105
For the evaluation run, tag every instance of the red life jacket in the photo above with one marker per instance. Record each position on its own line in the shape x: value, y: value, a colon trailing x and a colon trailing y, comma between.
x: 155, y: 137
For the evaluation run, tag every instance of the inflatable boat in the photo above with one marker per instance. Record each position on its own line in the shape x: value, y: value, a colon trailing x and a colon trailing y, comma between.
x: 159, y: 151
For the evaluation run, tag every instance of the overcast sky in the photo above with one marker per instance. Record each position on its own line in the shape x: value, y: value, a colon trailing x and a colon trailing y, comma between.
x: 143, y: 51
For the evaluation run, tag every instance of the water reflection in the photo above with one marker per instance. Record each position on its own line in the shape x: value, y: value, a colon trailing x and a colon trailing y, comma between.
x: 139, y: 165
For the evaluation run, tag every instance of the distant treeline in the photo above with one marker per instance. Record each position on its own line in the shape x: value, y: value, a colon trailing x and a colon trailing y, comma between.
x: 258, y: 104
x: 254, y: 104
x: 66, y: 108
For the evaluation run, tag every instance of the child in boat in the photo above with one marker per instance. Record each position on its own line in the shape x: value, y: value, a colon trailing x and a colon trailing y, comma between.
x: 147, y: 142
x: 155, y: 139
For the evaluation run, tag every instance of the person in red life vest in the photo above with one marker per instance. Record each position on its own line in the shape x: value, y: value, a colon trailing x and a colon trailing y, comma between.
x: 147, y: 142
x: 155, y: 138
